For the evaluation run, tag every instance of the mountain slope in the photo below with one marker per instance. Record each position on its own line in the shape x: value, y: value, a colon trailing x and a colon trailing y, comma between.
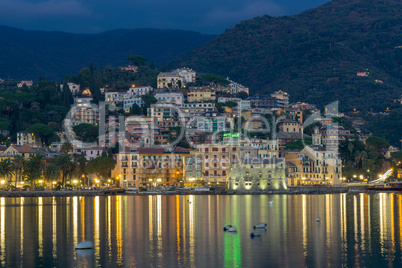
x: 315, y: 55
x: 30, y: 54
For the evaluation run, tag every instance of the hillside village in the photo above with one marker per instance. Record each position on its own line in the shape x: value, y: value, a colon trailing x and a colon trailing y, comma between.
x: 183, y: 129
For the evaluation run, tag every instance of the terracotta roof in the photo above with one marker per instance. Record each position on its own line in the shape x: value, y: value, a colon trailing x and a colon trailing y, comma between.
x: 23, y: 148
x: 160, y: 150
x: 93, y: 147
x: 151, y: 151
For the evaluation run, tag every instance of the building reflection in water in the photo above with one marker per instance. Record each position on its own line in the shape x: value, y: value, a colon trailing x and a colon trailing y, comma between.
x: 186, y: 231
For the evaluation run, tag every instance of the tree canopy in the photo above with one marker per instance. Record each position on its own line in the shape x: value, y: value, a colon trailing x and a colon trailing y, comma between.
x: 101, y: 166
x: 86, y: 132
x: 137, y: 60
x: 377, y: 143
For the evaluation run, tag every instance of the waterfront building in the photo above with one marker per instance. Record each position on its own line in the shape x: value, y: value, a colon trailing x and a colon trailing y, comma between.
x: 258, y: 174
x: 314, y: 165
x: 214, y: 165
x: 126, y: 170
x: 161, y: 166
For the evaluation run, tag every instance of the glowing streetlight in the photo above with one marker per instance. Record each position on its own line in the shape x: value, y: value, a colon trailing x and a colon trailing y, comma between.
x: 40, y: 181
x: 75, y: 181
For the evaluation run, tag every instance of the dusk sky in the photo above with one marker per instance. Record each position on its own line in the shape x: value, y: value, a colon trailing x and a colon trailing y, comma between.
x: 91, y: 16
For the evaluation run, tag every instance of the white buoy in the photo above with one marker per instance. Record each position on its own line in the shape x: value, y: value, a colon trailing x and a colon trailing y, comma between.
x: 260, y: 226
x: 271, y: 202
x: 85, y: 245
x: 318, y: 219
x: 226, y: 227
x: 256, y: 233
x: 232, y: 229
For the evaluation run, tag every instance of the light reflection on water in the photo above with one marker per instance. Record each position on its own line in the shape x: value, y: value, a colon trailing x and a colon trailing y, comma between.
x: 186, y: 231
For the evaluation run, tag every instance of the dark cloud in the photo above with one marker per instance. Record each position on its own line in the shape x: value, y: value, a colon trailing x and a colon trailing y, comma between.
x: 55, y: 8
x: 89, y: 16
x: 250, y: 10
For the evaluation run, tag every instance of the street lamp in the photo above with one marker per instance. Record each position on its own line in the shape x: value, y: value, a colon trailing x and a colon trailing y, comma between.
x: 2, y: 183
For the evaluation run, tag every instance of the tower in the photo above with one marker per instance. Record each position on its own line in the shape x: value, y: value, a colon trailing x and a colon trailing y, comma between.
x: 316, y: 137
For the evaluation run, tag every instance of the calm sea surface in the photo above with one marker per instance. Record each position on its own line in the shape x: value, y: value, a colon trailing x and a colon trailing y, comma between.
x: 187, y: 231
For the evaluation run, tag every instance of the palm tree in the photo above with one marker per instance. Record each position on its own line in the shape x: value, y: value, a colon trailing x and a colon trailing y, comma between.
x: 6, y: 169
x: 65, y: 165
x: 18, y: 167
x: 66, y: 148
x: 34, y: 167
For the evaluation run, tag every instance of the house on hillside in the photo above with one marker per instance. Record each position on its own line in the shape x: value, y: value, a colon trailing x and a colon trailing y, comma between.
x: 28, y: 83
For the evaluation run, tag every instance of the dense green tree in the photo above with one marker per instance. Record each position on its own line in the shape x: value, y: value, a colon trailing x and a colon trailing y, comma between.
x: 66, y: 148
x: 208, y: 78
x: 135, y: 110
x: 397, y: 156
x: 148, y: 100
x: 242, y: 95
x: 42, y: 130
x: 86, y: 132
x: 137, y: 60
x: 377, y: 143
x: 101, y: 166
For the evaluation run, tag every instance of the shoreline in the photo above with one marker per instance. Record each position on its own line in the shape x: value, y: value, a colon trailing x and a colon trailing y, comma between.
x: 290, y: 191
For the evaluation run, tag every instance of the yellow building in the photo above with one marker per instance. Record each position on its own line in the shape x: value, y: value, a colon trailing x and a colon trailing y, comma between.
x: 201, y: 94
x: 30, y: 139
x: 170, y: 80
x: 290, y: 126
x: 314, y: 165
x: 126, y: 170
x: 161, y: 166
x: 210, y: 163
x: 22, y: 150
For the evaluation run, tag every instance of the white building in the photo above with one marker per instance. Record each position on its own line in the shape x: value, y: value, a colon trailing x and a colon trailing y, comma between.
x: 138, y: 91
x: 74, y: 88
x: 91, y: 152
x: 128, y: 103
x: 187, y: 73
x: 83, y: 112
x: 114, y: 97
x: 81, y: 102
x: 170, y: 97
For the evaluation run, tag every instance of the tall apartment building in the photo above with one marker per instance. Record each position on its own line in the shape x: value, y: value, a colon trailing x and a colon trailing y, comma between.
x: 210, y: 163
x: 161, y: 166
